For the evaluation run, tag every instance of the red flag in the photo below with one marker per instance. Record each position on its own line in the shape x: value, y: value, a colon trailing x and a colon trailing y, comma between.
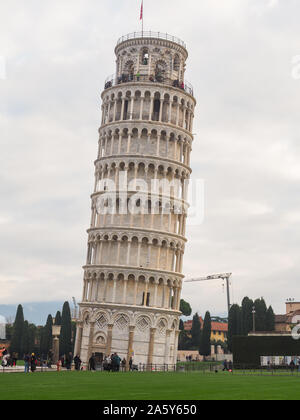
x: 142, y: 11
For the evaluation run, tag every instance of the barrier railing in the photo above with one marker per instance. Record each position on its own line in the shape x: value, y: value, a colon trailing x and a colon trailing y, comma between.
x: 151, y: 34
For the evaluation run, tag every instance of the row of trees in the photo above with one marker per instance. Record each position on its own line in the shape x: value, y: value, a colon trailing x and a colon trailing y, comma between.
x: 241, y: 318
x: 198, y: 338
x: 240, y: 322
x: 28, y: 338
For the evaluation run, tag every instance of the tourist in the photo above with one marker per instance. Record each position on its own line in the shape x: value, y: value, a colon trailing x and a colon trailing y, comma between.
x: 124, y: 365
x: 138, y: 75
x: 107, y: 364
x: 62, y: 360
x: 77, y: 362
x: 26, y: 363
x: 69, y: 358
x: 113, y: 362
x: 92, y: 365
x: 58, y: 365
x: 130, y: 364
x: 225, y: 366
x: 33, y: 362
x: 5, y: 360
x: 117, y: 362
x: 292, y: 366
x: 50, y: 358
x: 230, y: 366
x: 15, y: 357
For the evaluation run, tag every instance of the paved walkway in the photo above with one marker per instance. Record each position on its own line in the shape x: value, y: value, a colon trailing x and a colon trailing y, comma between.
x: 20, y: 369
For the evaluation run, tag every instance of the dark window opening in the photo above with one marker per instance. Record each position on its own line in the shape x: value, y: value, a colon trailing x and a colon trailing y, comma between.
x: 156, y: 109
x: 125, y: 110
x: 147, y: 299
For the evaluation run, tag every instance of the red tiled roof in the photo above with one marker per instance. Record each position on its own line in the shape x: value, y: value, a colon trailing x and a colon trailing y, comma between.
x: 219, y: 326
x: 280, y: 319
x: 215, y: 326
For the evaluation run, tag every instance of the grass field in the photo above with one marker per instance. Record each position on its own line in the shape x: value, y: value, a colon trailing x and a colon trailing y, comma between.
x: 146, y: 386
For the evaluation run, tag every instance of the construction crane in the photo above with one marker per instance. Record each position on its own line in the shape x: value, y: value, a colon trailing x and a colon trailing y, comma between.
x: 224, y: 276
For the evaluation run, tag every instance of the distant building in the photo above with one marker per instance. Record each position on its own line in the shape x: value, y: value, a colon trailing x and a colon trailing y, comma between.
x: 285, y: 323
x: 219, y: 330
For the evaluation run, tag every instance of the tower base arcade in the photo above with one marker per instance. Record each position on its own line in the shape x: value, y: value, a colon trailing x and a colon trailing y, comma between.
x: 147, y: 337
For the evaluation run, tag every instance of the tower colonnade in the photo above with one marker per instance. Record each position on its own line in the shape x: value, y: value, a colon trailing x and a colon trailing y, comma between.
x: 136, y: 240
x: 160, y: 106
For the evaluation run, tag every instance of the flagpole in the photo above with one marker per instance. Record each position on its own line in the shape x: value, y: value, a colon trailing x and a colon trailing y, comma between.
x: 142, y: 17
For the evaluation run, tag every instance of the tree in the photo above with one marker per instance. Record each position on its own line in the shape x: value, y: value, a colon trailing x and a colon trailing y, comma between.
x: 270, y: 319
x: 196, y: 331
x: 65, y: 343
x: 234, y: 324
x: 18, y: 331
x: 185, y: 341
x: 205, y: 346
x: 260, y: 315
x: 181, y: 325
x: 29, y: 337
x: 185, y: 308
x: 46, y: 337
x: 57, y: 318
x: 247, y: 317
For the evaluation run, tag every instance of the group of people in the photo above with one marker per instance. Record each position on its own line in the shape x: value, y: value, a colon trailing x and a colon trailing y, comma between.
x: 9, y: 360
x: 111, y: 363
x: 30, y: 362
x: 126, y: 78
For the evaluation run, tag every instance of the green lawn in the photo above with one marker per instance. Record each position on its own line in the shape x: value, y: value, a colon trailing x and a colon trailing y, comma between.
x: 146, y: 386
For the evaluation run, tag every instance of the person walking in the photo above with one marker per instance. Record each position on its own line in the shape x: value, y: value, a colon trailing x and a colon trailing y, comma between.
x: 118, y: 362
x: 15, y: 357
x: 33, y: 363
x: 69, y: 358
x: 77, y: 362
x: 92, y: 365
x: 113, y: 362
x: 130, y: 364
x: 108, y: 363
x: 225, y: 366
x: 124, y: 365
x: 50, y: 358
x: 26, y: 363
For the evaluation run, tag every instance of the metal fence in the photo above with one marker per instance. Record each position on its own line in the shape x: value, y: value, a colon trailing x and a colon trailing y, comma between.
x: 151, y: 34
x: 188, y: 367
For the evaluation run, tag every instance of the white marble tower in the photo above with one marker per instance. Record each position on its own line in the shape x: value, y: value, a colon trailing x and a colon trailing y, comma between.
x: 133, y: 273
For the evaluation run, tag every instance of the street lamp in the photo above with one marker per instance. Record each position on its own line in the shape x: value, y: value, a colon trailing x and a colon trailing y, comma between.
x: 253, y: 314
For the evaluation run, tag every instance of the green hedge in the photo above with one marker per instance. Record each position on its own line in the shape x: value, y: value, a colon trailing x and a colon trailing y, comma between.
x: 248, y: 350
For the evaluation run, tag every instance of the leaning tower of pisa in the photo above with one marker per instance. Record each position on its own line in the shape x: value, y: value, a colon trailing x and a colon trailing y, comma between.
x: 136, y: 240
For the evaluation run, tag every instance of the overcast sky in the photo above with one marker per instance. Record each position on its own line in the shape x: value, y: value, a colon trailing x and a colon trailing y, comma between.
x: 57, y: 55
